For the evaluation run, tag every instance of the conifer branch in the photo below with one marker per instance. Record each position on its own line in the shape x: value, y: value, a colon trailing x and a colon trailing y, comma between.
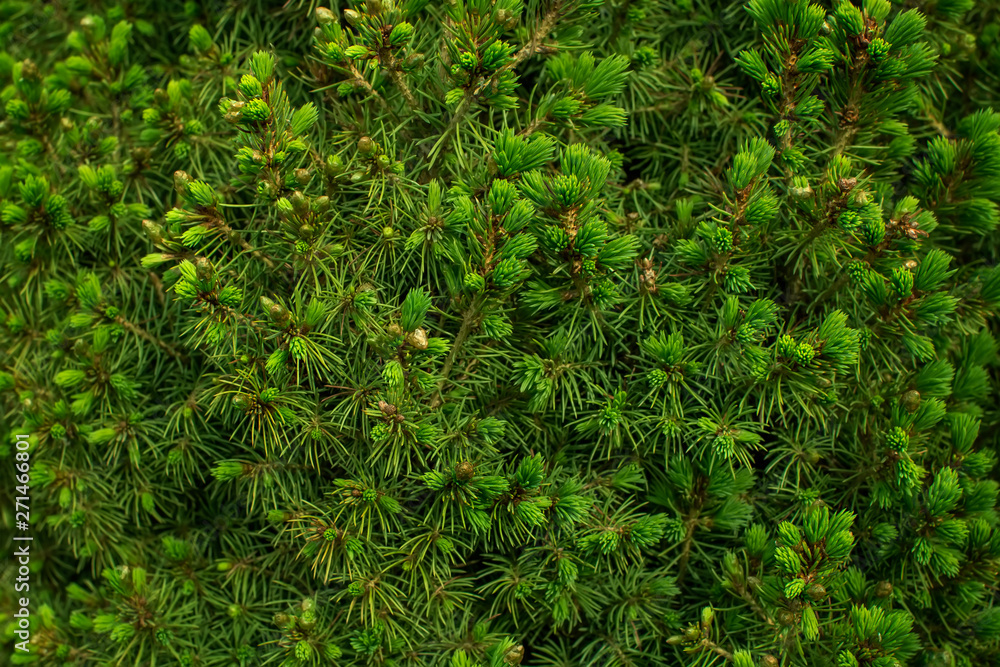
x: 469, y: 318
x: 717, y: 323
x: 146, y: 336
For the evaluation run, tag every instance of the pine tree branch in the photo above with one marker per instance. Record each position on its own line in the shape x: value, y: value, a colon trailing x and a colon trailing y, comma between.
x: 715, y: 648
x: 691, y: 523
x: 753, y: 604
x: 531, y: 48
x: 847, y: 127
x: 150, y: 338
x: 400, y: 80
x: 468, y: 320
x: 242, y: 243
x: 360, y: 79
x: 544, y: 28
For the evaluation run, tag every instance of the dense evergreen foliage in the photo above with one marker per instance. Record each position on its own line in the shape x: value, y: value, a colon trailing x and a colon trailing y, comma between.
x: 499, y: 332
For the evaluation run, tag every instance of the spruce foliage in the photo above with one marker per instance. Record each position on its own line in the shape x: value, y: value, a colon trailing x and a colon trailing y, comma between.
x: 485, y: 333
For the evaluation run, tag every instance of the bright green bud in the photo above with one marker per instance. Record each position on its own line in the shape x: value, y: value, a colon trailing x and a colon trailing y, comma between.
x: 250, y: 86
x: 401, y: 33
x: 810, y: 624
x: 878, y: 48
x: 849, y: 220
x: 357, y: 52
x: 506, y: 273
x: 303, y: 651
x: 393, y: 375
x: 474, y: 282
x: 722, y: 239
x: 897, y: 440
x: 497, y: 55
x: 18, y: 109
x: 335, y: 52
x: 200, y: 39
x: 256, y: 110
x: 786, y: 346
x: 770, y: 86
x: 467, y: 61
x: 804, y: 353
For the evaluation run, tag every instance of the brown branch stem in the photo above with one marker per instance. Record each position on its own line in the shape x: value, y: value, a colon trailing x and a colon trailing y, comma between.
x: 150, y: 338
x: 468, y: 320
